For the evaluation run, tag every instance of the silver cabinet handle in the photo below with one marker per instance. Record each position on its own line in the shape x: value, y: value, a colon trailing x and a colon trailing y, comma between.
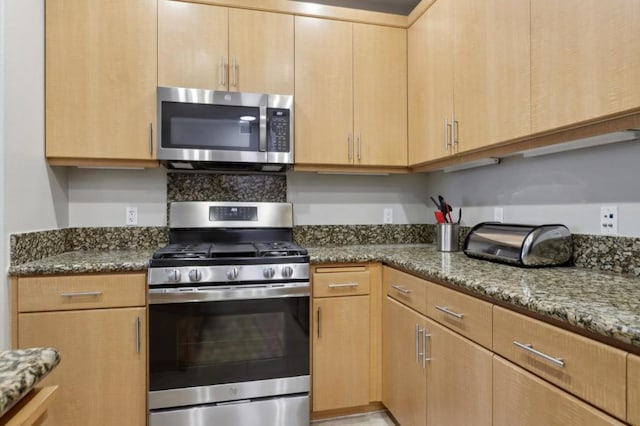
x: 223, y: 72
x: 82, y: 294
x: 343, y: 285
x: 529, y: 348
x: 449, y: 312
x: 349, y: 147
x: 234, y: 73
x: 417, y: 337
x: 359, y: 147
x: 454, y: 133
x: 424, y: 347
x: 401, y: 289
x: 150, y: 138
x: 447, y: 132
x: 138, y: 334
x: 318, y: 322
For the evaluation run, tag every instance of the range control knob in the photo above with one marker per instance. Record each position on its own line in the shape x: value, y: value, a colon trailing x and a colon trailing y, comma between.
x: 173, y: 275
x: 268, y: 272
x: 287, y: 272
x: 232, y: 273
x: 195, y: 275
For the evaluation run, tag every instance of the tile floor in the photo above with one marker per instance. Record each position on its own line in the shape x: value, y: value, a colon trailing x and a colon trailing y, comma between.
x: 379, y: 418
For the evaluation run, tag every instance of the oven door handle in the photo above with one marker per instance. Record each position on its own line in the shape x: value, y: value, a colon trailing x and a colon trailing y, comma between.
x: 222, y: 293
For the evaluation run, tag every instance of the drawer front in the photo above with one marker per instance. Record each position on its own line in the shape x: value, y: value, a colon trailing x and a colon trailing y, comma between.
x: 464, y: 314
x: 69, y: 292
x: 633, y: 390
x: 591, y: 370
x: 406, y: 289
x: 348, y: 281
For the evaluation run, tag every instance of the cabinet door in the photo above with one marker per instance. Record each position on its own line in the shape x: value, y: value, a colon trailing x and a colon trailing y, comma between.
x: 102, y: 373
x: 101, y: 79
x: 404, y: 385
x: 492, y: 71
x: 341, y: 348
x: 192, y: 45
x: 633, y: 389
x: 260, y: 52
x: 380, y: 95
x: 459, y: 378
x: 584, y: 60
x: 523, y: 399
x: 324, y: 92
x: 430, y: 83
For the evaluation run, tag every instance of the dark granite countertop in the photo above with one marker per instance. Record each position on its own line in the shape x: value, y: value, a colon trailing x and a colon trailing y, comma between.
x: 86, y: 261
x: 603, y: 303
x: 20, y: 370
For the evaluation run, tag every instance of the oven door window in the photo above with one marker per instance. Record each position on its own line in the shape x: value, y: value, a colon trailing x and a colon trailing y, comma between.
x: 209, y: 343
x: 210, y: 127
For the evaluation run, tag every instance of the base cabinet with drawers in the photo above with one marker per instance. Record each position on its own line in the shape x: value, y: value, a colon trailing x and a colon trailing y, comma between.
x: 344, y: 330
x: 431, y: 374
x: 98, y: 324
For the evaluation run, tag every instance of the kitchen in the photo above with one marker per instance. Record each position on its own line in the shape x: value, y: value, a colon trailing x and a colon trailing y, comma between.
x: 566, y: 188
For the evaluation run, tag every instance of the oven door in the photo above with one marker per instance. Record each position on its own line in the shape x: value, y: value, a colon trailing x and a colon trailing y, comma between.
x: 217, y: 344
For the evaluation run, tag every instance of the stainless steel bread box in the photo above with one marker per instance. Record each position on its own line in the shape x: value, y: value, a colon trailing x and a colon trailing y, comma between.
x: 522, y: 245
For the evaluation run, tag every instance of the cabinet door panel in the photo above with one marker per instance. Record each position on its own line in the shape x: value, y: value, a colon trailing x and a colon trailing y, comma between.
x: 459, y: 377
x: 261, y: 47
x: 102, y: 378
x: 404, y: 380
x: 101, y: 78
x: 192, y: 45
x: 341, y: 350
x: 523, y: 399
x: 324, y: 92
x: 584, y: 60
x: 380, y: 95
x: 492, y: 71
x: 430, y: 82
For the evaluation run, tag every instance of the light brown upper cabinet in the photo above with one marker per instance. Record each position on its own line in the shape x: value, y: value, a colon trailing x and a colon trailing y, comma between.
x: 584, y: 60
x: 212, y: 47
x: 101, y: 78
x: 468, y: 77
x: 350, y: 94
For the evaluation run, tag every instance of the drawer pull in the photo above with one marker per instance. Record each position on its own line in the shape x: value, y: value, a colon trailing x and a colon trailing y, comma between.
x: 82, y: 294
x: 401, y: 289
x: 345, y: 285
x: 449, y: 312
x: 529, y: 348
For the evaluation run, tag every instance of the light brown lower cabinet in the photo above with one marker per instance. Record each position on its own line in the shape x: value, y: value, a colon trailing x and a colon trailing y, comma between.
x: 98, y: 325
x: 520, y: 398
x: 633, y: 390
x: 432, y: 375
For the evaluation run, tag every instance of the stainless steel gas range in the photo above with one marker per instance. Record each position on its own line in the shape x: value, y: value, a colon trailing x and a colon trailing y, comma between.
x: 229, y: 318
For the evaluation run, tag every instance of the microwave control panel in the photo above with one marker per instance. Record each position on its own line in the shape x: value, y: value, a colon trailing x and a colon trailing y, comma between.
x: 279, y: 130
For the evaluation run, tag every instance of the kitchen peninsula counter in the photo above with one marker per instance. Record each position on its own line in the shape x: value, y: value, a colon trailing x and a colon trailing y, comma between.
x: 602, y: 304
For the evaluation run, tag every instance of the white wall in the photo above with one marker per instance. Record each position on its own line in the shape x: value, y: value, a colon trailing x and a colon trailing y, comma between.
x: 566, y: 188
x: 354, y: 199
x: 100, y: 197
x: 34, y: 194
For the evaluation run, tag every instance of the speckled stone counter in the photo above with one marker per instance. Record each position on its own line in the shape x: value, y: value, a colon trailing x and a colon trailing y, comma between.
x: 20, y: 370
x: 598, y: 302
x: 87, y: 261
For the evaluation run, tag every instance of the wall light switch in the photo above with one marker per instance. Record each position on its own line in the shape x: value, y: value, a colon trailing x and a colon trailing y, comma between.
x: 609, y: 220
x: 387, y: 215
x: 498, y: 214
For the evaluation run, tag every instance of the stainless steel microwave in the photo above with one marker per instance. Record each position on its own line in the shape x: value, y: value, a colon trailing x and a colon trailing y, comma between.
x: 217, y: 130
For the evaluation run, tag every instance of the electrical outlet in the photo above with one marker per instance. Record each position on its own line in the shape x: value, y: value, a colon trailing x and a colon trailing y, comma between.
x: 132, y: 216
x: 498, y: 214
x: 609, y: 220
x: 387, y: 215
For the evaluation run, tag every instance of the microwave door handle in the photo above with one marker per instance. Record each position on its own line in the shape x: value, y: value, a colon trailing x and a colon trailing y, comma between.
x: 263, y: 129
